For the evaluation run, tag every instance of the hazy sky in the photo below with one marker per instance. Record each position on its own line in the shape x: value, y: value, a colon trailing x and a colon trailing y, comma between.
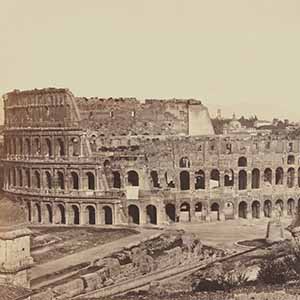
x: 242, y: 56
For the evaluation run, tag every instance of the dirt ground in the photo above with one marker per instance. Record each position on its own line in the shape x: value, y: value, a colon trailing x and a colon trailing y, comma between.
x: 50, y: 243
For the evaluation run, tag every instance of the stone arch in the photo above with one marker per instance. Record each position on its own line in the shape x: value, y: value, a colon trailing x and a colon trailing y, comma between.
x: 171, y: 212
x: 28, y: 179
x: 37, y: 179
x: 116, y: 180
x: 61, y: 180
x: 60, y: 147
x: 200, y: 180
x: 228, y: 177
x: 75, y: 214
x: 184, y: 162
x: 48, y: 147
x: 268, y: 176
x: 242, y: 161
x: 133, y: 214
x: 290, y: 177
x: 48, y: 180
x: 91, y: 214
x: 255, y: 209
x: 228, y: 210
x: 184, y: 180
x: 38, y: 213
x: 49, y: 213
x: 291, y: 159
x: 154, y: 179
x: 74, y: 180
x: 185, y: 212
x: 279, y: 206
x: 61, y: 214
x: 214, y: 178
x: 268, y: 208
x: 151, y: 214
x: 243, y: 207
x: 279, y: 176
x: 90, y: 180
x: 242, y: 180
x: 255, y: 179
x: 215, y: 211
x: 291, y: 207
x: 107, y: 211
x: 133, y: 178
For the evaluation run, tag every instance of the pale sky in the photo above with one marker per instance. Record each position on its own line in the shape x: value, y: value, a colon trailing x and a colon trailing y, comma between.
x: 242, y: 56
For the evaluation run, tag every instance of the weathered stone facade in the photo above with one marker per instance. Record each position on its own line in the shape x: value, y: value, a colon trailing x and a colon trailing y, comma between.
x: 112, y: 161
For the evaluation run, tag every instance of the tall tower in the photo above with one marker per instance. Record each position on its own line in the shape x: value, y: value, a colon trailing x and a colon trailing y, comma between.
x: 15, y: 259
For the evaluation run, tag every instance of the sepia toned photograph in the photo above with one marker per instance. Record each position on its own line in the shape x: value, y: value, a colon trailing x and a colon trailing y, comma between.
x: 149, y: 150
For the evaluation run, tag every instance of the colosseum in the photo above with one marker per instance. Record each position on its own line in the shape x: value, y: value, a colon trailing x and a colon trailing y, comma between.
x: 73, y: 160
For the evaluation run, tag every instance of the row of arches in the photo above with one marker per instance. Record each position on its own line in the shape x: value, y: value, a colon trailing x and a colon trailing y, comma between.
x: 26, y: 178
x: 48, y: 213
x: 47, y: 146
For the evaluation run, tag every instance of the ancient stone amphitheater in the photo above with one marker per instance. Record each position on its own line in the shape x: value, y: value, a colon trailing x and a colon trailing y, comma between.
x: 73, y: 160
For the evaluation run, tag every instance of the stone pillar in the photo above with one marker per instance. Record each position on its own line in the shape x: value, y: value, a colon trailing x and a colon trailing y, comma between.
x: 207, y: 179
x: 143, y: 214
x: 249, y: 179
x: 98, y: 214
x: 82, y: 215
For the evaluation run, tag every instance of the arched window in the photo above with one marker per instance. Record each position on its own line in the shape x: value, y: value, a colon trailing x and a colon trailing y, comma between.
x: 91, y: 180
x: 62, y: 214
x: 171, y: 212
x: 48, y: 180
x: 184, y: 180
x: 200, y: 180
x: 242, y: 180
x: 243, y: 210
x: 279, y: 176
x: 91, y: 214
x: 184, y: 162
x: 255, y: 179
x: 151, y: 214
x: 37, y: 146
x: 268, y: 176
x: 37, y: 179
x: 290, y: 177
x: 48, y: 147
x: 133, y: 178
x: 60, y: 180
x: 228, y: 178
x: 28, y: 179
x: 242, y: 162
x: 133, y: 214
x: 291, y: 160
x: 75, y: 181
x: 108, y: 218
x: 61, y: 147
x: 214, y: 178
x: 75, y: 215
x: 154, y: 179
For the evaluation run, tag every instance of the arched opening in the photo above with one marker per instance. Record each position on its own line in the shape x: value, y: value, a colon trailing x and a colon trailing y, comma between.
x: 91, y: 180
x: 184, y: 162
x: 27, y: 175
x: 171, y: 212
x: 184, y: 180
x: 49, y: 213
x: 75, y: 215
x: 242, y: 162
x: 48, y: 180
x: 242, y: 180
x: 48, y: 148
x: 215, y: 211
x: 38, y: 213
x: 214, y: 178
x: 279, y: 206
x: 60, y: 180
x: 291, y: 207
x: 133, y: 178
x: 107, y: 215
x: 154, y: 179
x: 268, y: 177
x: 243, y: 210
x: 20, y: 175
x: 228, y: 178
x: 255, y: 174
x: 61, y: 214
x: 133, y: 214
x: 228, y: 210
x: 291, y: 160
x: 37, y: 180
x: 91, y: 215
x: 27, y: 147
x: 151, y: 214
x: 185, y: 214
x: 290, y: 177
x: 116, y: 180
x: 268, y: 208
x: 61, y: 147
x: 75, y: 181
x: 200, y: 180
x: 255, y: 209
x: 279, y: 176
x: 29, y: 217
